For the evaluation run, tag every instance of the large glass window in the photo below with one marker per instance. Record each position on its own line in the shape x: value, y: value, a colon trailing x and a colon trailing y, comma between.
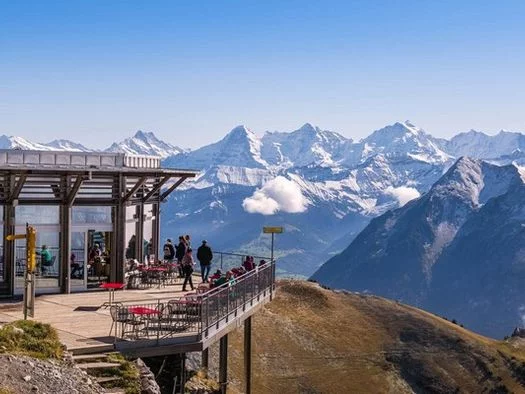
x: 130, y: 239
x: 45, y: 219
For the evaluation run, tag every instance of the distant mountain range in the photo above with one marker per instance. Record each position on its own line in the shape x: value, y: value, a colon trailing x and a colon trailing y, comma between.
x: 142, y: 143
x: 321, y: 186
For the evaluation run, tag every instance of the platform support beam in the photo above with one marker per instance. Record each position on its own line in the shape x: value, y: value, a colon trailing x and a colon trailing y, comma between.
x: 205, y: 356
x: 248, y: 355
x: 223, y: 364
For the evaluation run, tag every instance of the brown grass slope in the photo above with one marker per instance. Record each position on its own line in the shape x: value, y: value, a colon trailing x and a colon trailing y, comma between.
x: 312, y: 340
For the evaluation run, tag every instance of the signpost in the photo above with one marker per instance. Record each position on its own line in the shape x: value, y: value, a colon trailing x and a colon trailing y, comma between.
x: 273, y: 230
x: 29, y: 278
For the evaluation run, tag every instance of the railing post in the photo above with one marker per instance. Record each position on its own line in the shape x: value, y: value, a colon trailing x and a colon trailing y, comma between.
x: 228, y: 303
x: 159, y: 319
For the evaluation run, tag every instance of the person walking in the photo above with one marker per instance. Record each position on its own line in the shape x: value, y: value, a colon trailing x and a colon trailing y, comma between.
x: 187, y: 269
x: 205, y: 256
x: 169, y: 251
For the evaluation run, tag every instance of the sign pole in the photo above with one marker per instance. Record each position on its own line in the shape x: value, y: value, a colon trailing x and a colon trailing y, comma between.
x: 273, y: 231
x: 273, y: 235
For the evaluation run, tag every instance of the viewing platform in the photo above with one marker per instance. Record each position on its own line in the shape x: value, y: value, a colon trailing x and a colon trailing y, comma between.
x: 156, y: 321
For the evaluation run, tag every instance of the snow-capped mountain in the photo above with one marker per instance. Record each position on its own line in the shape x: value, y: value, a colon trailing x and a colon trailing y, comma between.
x: 480, y: 145
x: 145, y: 143
x: 239, y: 148
x: 67, y: 145
x: 308, y: 145
x: 398, y: 254
x: 344, y: 184
x: 404, y: 139
x: 13, y: 142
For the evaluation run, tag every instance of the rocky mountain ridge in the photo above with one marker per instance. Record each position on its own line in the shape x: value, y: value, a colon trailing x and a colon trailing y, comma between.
x: 429, y: 250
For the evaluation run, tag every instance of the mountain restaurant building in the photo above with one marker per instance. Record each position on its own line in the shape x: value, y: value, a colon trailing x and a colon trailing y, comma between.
x: 93, y: 212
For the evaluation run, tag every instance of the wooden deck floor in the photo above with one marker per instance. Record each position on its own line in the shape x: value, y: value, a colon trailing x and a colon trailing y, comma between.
x: 80, y: 323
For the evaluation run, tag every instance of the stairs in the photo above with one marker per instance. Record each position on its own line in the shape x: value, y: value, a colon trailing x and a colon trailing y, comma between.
x: 104, y: 368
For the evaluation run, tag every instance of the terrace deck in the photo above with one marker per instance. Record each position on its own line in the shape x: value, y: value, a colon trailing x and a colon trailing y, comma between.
x: 83, y: 325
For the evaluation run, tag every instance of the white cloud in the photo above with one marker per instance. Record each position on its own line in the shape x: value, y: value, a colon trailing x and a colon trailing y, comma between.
x: 402, y: 194
x: 279, y: 194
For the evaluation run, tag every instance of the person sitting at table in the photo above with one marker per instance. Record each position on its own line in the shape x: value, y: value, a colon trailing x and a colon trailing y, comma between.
x: 215, y: 276
x: 187, y: 269
x: 75, y: 267
x: 219, y: 281
x: 248, y: 263
x: 169, y: 251
x: 46, y: 260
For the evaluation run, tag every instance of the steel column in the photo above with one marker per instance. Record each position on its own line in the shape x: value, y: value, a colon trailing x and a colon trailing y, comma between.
x: 223, y: 364
x: 139, y: 245
x: 65, y: 249
x: 156, y: 230
x: 119, y: 229
x: 9, y: 248
x: 248, y: 355
x: 205, y: 357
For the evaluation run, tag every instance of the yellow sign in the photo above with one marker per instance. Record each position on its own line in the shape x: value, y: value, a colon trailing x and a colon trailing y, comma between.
x: 31, y: 249
x: 275, y: 230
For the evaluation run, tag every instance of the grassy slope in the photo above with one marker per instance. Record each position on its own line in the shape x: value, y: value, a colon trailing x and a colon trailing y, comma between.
x: 312, y: 340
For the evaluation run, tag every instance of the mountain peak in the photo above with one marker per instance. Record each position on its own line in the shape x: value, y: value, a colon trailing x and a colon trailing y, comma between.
x: 241, y: 130
x: 308, y: 128
x: 145, y: 143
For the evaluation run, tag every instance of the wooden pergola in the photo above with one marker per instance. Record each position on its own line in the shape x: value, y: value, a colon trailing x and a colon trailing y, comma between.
x: 68, y: 179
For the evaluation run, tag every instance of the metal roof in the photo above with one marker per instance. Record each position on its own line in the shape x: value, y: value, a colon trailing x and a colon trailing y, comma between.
x: 85, y: 178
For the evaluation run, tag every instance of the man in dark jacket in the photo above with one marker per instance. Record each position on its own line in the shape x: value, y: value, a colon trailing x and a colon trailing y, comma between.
x: 180, y: 252
x: 169, y: 251
x: 205, y: 256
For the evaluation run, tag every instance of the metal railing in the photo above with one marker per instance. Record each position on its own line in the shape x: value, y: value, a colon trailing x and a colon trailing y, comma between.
x: 226, y: 261
x: 194, y: 314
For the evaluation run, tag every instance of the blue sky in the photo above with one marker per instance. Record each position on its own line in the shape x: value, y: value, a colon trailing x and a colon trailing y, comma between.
x: 96, y: 71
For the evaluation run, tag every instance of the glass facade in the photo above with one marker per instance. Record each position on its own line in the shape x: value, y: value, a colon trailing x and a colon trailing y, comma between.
x: 46, y: 221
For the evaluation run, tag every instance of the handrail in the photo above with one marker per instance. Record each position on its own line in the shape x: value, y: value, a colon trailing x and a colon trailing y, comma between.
x: 199, y: 314
x: 243, y: 255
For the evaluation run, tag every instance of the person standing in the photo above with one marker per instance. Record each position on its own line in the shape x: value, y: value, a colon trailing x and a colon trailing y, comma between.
x: 187, y: 269
x: 180, y: 253
x: 169, y: 251
x: 205, y: 256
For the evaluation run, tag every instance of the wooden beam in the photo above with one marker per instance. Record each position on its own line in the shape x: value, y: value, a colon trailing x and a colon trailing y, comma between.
x: 156, y: 188
x: 18, y: 188
x: 171, y: 188
x: 74, y: 190
x: 134, y: 189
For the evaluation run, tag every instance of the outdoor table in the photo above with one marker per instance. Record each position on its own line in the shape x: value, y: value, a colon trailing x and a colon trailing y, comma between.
x: 111, y: 287
x: 145, y: 313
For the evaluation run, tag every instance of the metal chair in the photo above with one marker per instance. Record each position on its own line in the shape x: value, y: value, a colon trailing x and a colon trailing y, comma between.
x: 122, y: 316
